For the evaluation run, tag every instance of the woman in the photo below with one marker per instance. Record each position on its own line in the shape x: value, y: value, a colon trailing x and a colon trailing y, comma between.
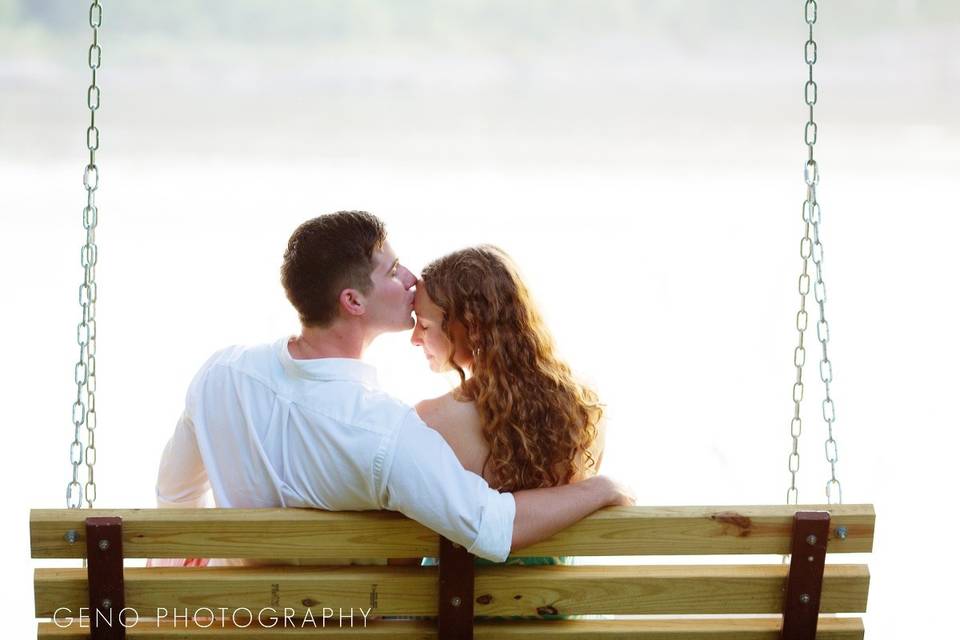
x: 518, y: 417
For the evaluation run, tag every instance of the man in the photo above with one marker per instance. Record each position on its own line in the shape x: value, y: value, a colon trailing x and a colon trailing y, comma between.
x: 301, y: 422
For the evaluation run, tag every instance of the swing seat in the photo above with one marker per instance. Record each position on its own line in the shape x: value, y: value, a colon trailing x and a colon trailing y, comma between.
x: 724, y: 599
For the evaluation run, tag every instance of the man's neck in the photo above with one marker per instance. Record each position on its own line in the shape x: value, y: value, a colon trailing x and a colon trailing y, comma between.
x: 336, y: 341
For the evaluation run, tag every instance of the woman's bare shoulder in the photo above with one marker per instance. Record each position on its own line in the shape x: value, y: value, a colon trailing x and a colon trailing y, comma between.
x: 447, y: 412
x: 433, y: 410
x: 459, y: 424
x: 427, y: 409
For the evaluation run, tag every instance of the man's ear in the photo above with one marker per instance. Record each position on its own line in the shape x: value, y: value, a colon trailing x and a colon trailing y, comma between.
x: 352, y: 302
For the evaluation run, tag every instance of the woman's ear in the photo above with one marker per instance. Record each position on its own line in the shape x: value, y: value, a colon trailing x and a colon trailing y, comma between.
x: 464, y: 354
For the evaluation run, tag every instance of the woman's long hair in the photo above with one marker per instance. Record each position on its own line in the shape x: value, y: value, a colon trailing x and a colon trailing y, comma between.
x: 538, y: 421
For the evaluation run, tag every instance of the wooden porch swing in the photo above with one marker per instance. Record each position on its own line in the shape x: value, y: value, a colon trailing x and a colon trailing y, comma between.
x: 454, y: 600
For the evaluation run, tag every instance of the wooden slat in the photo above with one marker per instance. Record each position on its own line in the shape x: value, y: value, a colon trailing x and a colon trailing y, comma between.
x: 702, y: 531
x: 659, y: 589
x: 239, y: 533
x: 723, y: 629
x: 500, y: 590
x: 310, y: 534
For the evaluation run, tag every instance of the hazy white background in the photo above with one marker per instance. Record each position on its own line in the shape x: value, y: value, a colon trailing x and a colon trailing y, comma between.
x: 641, y: 160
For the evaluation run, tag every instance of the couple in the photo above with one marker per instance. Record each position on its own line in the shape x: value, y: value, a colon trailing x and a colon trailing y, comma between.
x: 505, y: 460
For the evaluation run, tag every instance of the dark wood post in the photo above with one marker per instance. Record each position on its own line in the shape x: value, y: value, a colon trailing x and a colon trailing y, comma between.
x: 105, y: 577
x: 455, y: 619
x: 801, y: 608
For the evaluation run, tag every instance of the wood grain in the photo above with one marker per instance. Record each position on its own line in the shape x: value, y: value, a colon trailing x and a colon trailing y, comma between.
x: 310, y: 534
x: 499, y: 590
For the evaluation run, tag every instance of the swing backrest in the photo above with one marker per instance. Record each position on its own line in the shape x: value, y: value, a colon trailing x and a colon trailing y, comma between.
x: 750, y: 598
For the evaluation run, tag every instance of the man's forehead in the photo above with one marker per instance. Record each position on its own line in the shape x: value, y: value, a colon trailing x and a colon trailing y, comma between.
x: 385, y: 254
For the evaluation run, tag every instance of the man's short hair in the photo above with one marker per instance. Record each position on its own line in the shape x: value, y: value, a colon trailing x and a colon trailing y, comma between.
x: 326, y: 255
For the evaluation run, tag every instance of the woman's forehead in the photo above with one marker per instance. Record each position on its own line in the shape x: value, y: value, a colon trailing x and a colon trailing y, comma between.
x: 424, y: 305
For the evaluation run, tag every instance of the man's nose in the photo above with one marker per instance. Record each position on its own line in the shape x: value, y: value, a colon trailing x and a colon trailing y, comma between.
x: 407, y: 278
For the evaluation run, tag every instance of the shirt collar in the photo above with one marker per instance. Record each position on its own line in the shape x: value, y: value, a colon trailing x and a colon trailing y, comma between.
x: 327, y: 369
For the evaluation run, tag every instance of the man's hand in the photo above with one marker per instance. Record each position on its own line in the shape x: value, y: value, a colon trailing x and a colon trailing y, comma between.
x: 620, y: 495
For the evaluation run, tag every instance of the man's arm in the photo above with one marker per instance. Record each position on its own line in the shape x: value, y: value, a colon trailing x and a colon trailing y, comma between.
x: 181, y: 481
x: 426, y: 482
x: 182, y: 478
x: 543, y: 512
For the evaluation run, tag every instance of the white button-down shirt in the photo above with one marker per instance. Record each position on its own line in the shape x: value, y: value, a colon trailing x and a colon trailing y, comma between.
x: 261, y: 429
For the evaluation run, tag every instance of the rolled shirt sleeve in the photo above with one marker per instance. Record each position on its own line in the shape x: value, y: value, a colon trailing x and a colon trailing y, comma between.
x: 424, y: 480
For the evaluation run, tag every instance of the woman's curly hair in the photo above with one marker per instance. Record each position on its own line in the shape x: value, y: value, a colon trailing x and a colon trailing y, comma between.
x: 538, y: 421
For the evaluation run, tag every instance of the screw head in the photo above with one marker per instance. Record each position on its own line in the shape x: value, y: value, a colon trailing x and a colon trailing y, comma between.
x: 842, y: 533
x: 456, y: 601
x: 809, y: 558
x: 103, y: 544
x: 811, y: 539
x: 805, y: 598
x: 106, y: 604
x: 71, y: 536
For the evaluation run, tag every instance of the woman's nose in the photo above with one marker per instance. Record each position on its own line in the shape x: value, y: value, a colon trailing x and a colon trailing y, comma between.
x: 415, y: 337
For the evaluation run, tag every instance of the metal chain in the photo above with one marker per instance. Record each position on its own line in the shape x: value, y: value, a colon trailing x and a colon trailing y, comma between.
x: 799, y: 357
x: 85, y: 371
x: 811, y: 248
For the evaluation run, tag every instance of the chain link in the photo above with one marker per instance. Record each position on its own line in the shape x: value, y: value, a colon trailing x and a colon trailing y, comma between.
x: 811, y: 249
x: 85, y: 371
